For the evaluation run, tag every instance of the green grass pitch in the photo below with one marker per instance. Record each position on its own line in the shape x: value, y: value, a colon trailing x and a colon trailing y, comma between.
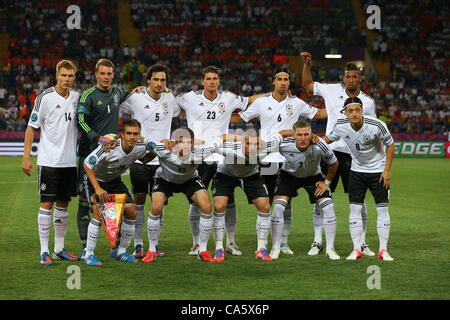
x: 419, y: 241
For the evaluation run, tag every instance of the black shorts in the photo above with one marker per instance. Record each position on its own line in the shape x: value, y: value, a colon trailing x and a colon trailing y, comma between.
x: 82, y: 179
x: 253, y: 186
x: 169, y: 188
x: 343, y: 170
x: 142, y: 178
x: 288, y: 185
x: 359, y: 182
x: 115, y: 186
x: 206, y: 172
x: 57, y: 183
x: 270, y: 180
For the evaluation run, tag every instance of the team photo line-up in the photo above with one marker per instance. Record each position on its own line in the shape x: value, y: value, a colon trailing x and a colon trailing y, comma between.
x: 269, y: 164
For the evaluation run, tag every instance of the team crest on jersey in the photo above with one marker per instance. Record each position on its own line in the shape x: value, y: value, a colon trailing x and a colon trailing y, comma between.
x: 221, y: 107
x: 116, y: 99
x: 289, y: 110
x: 43, y: 186
x: 366, y: 138
x: 34, y: 117
x: 165, y: 107
x: 92, y: 160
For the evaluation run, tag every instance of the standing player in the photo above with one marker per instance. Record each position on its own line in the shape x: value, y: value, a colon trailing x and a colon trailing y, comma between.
x: 334, y: 96
x: 153, y: 108
x: 208, y: 114
x: 54, y: 113
x: 240, y: 168
x: 98, y: 115
x: 302, y: 169
x: 178, y: 173
x: 103, y: 171
x: 371, y: 169
x: 278, y: 111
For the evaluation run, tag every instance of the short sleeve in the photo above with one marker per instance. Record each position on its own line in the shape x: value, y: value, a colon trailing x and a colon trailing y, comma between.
x: 38, y: 113
x: 307, y: 110
x: 252, y: 111
x: 327, y: 154
x: 385, y: 135
x: 95, y: 157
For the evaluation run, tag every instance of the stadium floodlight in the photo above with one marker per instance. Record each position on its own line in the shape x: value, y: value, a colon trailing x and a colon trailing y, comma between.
x: 333, y: 56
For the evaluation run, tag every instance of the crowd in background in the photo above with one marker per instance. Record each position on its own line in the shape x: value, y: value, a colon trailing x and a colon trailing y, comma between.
x: 239, y: 36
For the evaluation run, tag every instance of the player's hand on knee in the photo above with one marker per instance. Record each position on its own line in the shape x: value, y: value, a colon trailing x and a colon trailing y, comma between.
x: 321, y: 187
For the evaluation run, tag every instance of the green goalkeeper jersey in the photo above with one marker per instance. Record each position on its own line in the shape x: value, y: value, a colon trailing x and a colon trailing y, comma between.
x: 98, y: 115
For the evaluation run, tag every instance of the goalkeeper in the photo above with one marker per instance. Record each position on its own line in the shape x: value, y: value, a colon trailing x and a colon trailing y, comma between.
x: 98, y: 116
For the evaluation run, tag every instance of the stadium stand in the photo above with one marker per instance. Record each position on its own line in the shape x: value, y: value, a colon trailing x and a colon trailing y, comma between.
x: 239, y: 36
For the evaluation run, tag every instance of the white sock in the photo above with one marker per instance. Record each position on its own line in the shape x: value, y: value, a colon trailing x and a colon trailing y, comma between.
x: 329, y: 221
x: 383, y: 224
x: 287, y: 214
x: 219, y: 229
x: 230, y: 222
x: 44, y: 223
x: 127, y: 231
x: 92, y: 236
x: 277, y: 221
x: 318, y: 223
x: 355, y: 224
x: 139, y: 225
x: 161, y: 221
x: 364, y: 222
x: 60, y: 217
x: 153, y: 229
x: 194, y: 219
x: 206, y: 223
x: 263, y: 224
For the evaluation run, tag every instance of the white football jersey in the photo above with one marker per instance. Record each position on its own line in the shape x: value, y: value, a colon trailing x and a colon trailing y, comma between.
x: 366, y: 144
x: 56, y: 117
x: 235, y: 163
x: 155, y: 116
x: 110, y: 165
x: 209, y: 119
x: 302, y: 163
x: 174, y: 169
x: 335, y: 96
x: 275, y: 116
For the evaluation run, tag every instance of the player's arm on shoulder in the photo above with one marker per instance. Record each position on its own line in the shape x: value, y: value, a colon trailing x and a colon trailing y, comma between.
x: 254, y: 97
x: 27, y: 165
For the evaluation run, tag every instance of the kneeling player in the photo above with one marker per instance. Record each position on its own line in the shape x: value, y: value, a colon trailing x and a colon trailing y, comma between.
x: 302, y: 169
x: 178, y: 173
x: 371, y: 169
x: 240, y: 168
x: 104, y: 173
